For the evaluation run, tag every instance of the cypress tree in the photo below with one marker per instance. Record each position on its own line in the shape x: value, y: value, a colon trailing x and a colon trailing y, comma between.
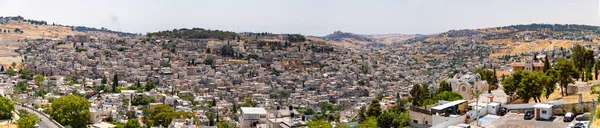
x: 546, y: 64
x: 115, y: 83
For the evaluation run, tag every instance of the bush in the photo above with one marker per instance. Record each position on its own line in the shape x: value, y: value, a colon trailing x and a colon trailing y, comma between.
x: 598, y: 113
x: 585, y: 109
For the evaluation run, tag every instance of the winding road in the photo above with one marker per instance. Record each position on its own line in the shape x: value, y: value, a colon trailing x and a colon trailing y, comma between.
x: 45, y: 121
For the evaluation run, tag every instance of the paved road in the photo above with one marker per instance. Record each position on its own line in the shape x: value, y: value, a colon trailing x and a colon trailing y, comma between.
x: 44, y: 122
x: 516, y: 120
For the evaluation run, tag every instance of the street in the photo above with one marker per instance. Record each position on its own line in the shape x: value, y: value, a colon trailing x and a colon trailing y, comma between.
x: 44, y: 122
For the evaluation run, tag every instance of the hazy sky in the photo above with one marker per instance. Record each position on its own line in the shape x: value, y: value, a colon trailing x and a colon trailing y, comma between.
x: 310, y: 17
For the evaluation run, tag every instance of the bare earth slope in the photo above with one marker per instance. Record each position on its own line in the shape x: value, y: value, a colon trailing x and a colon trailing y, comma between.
x: 11, y: 41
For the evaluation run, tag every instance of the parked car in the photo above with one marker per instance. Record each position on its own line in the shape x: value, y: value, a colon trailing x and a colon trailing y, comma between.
x: 569, y: 117
x: 528, y: 115
x: 583, y: 117
x: 579, y: 125
x: 502, y: 111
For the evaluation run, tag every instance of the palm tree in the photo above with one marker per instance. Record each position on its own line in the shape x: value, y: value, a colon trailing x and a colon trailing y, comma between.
x: 476, y: 94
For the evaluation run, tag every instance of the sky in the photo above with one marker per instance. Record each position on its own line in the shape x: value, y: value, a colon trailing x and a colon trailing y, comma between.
x: 308, y: 17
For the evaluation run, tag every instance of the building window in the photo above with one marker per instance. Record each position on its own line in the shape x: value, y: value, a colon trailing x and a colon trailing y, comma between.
x: 464, y: 89
x: 426, y: 122
x: 543, y: 111
x: 415, y: 121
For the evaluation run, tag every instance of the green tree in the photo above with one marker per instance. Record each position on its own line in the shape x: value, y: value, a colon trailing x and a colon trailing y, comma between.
x: 596, y: 68
x: 362, y: 114
x: 20, y: 87
x: 548, y: 81
x: 164, y: 113
x: 208, y: 61
x: 415, y: 94
x: 28, y: 121
x: 361, y: 83
x: 419, y: 93
x: 249, y: 102
x: 104, y: 80
x: 566, y: 73
x: 341, y: 125
x: 448, y: 96
x: 371, y: 122
x: 402, y: 120
x: 444, y: 86
x: 546, y: 64
x: 528, y: 84
x: 133, y: 123
x: 142, y: 100
x: 39, y: 79
x: 138, y: 84
x: 149, y: 85
x: 374, y: 108
x: 6, y: 107
x: 11, y: 72
x: 588, y: 64
x: 227, y: 50
x: 318, y: 124
x: 71, y: 111
x: 13, y: 64
x: 25, y: 74
x: 386, y: 119
x: 115, y: 82
x: 225, y: 124
x: 487, y: 75
x: 400, y: 105
x: 577, y: 55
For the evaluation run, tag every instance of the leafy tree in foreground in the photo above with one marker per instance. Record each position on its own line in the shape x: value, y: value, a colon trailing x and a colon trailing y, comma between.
x: 374, y: 109
x: 371, y: 122
x: 6, y: 107
x: 444, y: 86
x: 71, y: 111
x: 386, y: 119
x: 530, y: 84
x: 577, y: 55
x: 566, y: 73
x: 28, y: 121
x: 402, y: 120
x: 133, y: 123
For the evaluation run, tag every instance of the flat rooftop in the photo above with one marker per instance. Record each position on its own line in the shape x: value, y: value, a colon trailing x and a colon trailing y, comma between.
x: 443, y: 106
x: 253, y: 110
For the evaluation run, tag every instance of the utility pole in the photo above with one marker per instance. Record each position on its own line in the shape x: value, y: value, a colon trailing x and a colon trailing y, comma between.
x: 476, y: 93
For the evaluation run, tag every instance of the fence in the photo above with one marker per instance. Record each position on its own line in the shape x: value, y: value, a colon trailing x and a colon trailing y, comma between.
x: 562, y: 109
x: 594, y: 112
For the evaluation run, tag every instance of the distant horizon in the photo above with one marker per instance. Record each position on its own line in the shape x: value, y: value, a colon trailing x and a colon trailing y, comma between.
x: 306, y: 17
x: 144, y: 33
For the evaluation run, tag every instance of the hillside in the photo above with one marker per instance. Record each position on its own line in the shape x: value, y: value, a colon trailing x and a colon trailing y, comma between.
x: 14, y: 30
x: 515, y: 39
x: 357, y: 40
x: 32, y: 31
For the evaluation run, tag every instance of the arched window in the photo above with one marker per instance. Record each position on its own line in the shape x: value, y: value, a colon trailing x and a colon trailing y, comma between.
x: 464, y: 89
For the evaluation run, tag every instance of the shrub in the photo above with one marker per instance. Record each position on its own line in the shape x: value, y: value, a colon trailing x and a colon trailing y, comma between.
x: 598, y: 113
x: 585, y: 109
